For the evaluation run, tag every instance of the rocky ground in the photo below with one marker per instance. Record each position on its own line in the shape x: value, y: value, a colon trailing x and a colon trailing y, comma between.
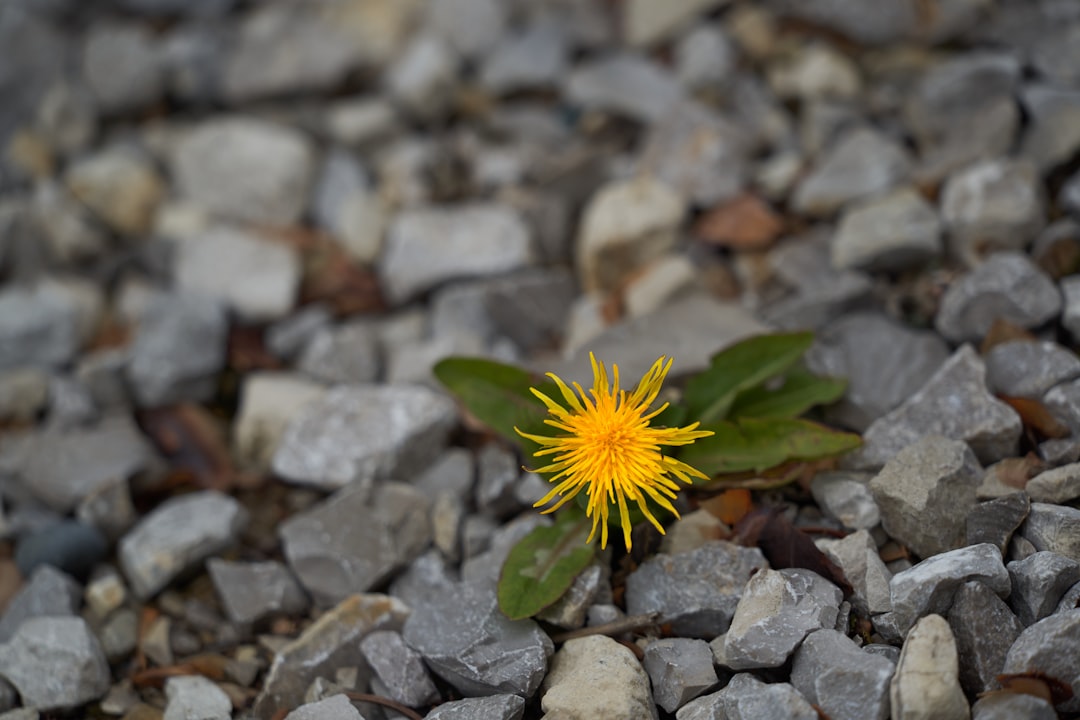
x: 235, y: 236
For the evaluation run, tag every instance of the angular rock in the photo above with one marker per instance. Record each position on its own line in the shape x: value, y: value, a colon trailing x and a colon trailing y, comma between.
x: 252, y: 591
x: 245, y: 169
x: 330, y: 643
x: 268, y: 401
x: 996, y: 520
x: 926, y: 683
x: 335, y: 707
x: 67, y: 545
x: 747, y: 698
x: 1055, y: 528
x: 857, y: 555
x: 251, y: 275
x: 698, y: 591
x: 423, y: 78
x: 535, y: 58
x: 776, y: 611
x: 1012, y: 706
x: 1053, y: 132
x: 930, y: 586
x: 1006, y: 286
x: 347, y: 353
x: 399, y: 668
x: 56, y: 663
x: 847, y: 498
x: 498, y: 474
x: 955, y: 404
x: 179, y: 348
x: 465, y: 639
x: 1057, y: 485
x: 120, y: 186
x: 355, y: 539
x: 62, y: 469
x: 178, y: 535
x: 531, y: 307
x: 861, y: 163
x: 357, y: 434
x: 122, y: 66
x: 680, y: 669
x: 38, y: 328
x: 593, y: 677
x: 1029, y: 369
x: 1038, y: 583
x: 194, y: 696
x: 425, y: 247
x: 704, y: 57
x: 984, y: 628
x: 48, y: 593
x: 593, y: 584
x: 891, y: 232
x: 623, y: 83
x: 884, y: 363
x: 1049, y: 646
x: 844, y: 681
x: 924, y: 493
x: 493, y: 707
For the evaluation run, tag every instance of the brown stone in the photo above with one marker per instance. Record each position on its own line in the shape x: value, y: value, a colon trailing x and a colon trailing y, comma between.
x: 744, y: 223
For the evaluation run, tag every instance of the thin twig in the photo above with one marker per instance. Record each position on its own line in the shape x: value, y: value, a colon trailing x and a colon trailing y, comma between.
x: 386, y: 702
x: 617, y: 627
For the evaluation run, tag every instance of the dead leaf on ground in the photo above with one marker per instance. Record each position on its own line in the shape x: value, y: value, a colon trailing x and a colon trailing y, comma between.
x: 193, y: 442
x: 1035, y: 683
x: 1015, y: 472
x: 730, y: 506
x: 743, y: 223
x: 210, y: 665
x: 1037, y: 417
x: 1001, y: 332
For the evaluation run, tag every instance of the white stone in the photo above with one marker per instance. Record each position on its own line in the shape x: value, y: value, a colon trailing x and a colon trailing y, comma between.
x: 647, y: 21
x: 661, y: 281
x: 596, y: 677
x: 268, y: 401
x: 926, y: 685
x: 193, y: 697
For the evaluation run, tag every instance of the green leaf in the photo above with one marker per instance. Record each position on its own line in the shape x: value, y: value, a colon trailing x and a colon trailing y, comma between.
x: 498, y: 395
x: 674, y: 415
x: 542, y: 566
x: 800, y: 391
x: 709, y: 395
x: 752, y: 444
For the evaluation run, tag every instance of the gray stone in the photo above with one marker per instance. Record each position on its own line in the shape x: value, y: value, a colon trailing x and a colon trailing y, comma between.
x: 1029, y: 369
x: 194, y: 696
x: 891, y: 232
x: 1038, y: 583
x: 1070, y: 292
x: 268, y: 401
x: 63, y: 468
x: 931, y: 585
x: 56, y: 663
x: 400, y: 668
x: 423, y: 78
x: 926, y: 683
x: 1057, y: 485
x: 196, y: 8
x: 624, y: 83
x: 328, y: 644
x: 861, y: 163
x: 452, y: 473
x: 253, y: 276
x: 747, y: 698
x: 493, y: 707
x: 287, y: 337
x: 857, y: 555
x: 282, y: 49
x: 245, y: 169
x: 24, y: 393
x: 498, y: 474
x: 535, y: 58
x: 924, y: 493
x: 531, y: 307
x: 1053, y: 131
x: 984, y: 628
x: 427, y: 575
x: 700, y: 154
x: 122, y: 67
x: 472, y: 27
x: 252, y: 591
x: 425, y: 247
x: 680, y: 669
x: 500, y: 540
x: 356, y: 539
x: 696, y: 591
x: 335, y: 707
x: 347, y: 353
x: 1070, y: 600
x: 593, y: 677
x: 996, y: 520
x: 704, y: 57
x: 1055, y: 528
x: 38, y: 54
x: 847, y: 683
x: 362, y: 433
x: 1049, y: 646
x: 48, y: 593
x: 776, y: 611
x: 884, y: 363
x: 38, y: 328
x: 178, y: 535
x: 1006, y: 286
x: 992, y: 205
x: 955, y: 404
x: 465, y: 639
x: 1012, y: 706
x: 592, y: 585
x: 179, y: 348
x: 67, y: 545
x: 846, y: 497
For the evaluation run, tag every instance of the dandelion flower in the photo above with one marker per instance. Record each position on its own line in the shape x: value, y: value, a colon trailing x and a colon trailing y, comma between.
x: 608, y: 448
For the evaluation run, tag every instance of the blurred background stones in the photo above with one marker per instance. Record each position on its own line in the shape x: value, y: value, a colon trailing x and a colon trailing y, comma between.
x: 236, y: 236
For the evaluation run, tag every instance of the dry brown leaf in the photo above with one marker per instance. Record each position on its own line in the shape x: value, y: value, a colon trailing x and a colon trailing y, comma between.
x: 743, y: 223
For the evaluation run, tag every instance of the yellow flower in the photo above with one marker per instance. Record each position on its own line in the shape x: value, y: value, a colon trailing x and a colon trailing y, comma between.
x: 609, y: 449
